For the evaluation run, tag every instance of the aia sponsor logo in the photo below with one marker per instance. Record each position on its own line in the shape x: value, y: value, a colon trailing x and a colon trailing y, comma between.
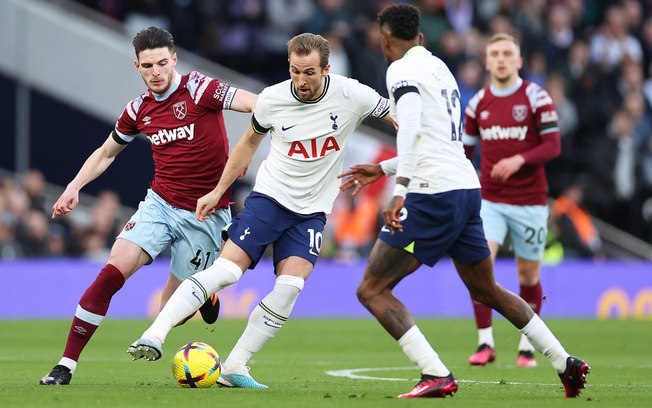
x: 519, y: 112
x: 180, y: 109
x: 130, y: 225
x: 313, y: 148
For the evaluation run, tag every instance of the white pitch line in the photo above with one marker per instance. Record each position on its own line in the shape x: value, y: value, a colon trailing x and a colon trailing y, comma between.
x: 354, y: 374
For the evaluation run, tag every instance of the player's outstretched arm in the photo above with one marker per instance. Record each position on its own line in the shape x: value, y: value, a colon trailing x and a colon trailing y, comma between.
x: 244, y: 101
x: 360, y: 176
x: 238, y: 161
x: 94, y: 165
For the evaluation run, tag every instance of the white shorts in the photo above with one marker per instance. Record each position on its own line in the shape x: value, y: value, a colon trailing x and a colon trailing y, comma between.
x: 527, y: 226
x: 194, y: 244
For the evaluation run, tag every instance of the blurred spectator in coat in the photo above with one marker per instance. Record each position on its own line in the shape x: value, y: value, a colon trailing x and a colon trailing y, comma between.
x: 280, y: 26
x: 574, y: 226
x: 558, y: 36
x: 565, y: 164
x: 369, y: 63
x: 34, y: 185
x: 614, y: 42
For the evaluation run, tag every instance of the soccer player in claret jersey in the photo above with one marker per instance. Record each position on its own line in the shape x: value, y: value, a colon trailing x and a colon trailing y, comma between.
x: 435, y: 210
x: 310, y: 118
x: 181, y: 116
x: 515, y: 122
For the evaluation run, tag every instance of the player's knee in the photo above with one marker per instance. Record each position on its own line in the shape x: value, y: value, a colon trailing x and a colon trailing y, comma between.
x: 289, y: 283
x: 362, y: 296
x: 366, y: 292
x: 485, y: 294
x: 230, y: 272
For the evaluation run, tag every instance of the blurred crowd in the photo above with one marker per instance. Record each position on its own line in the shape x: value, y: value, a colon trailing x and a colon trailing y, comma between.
x: 27, y: 230
x: 593, y: 56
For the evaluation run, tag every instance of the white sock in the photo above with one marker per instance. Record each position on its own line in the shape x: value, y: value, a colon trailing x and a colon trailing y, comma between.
x: 70, y: 363
x: 266, y: 319
x: 421, y: 353
x: 544, y: 341
x: 524, y: 344
x: 486, y: 336
x: 191, y: 294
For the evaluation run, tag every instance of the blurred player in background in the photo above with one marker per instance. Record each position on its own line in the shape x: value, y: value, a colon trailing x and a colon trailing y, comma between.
x: 181, y: 116
x: 434, y: 211
x: 310, y: 118
x: 515, y: 122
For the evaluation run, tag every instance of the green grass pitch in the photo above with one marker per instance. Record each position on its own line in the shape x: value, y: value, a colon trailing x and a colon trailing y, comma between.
x: 300, y: 362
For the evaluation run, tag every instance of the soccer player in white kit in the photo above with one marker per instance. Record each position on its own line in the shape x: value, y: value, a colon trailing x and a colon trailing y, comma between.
x: 435, y: 210
x: 310, y: 118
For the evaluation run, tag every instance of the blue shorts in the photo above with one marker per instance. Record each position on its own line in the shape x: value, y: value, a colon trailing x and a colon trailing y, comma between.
x: 264, y: 221
x: 439, y: 224
x: 527, y: 226
x: 194, y: 244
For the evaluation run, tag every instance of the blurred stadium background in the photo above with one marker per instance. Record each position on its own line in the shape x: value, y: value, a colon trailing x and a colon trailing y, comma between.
x: 67, y: 72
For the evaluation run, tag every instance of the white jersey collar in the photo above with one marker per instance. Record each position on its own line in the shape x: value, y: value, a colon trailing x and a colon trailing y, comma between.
x: 507, y: 91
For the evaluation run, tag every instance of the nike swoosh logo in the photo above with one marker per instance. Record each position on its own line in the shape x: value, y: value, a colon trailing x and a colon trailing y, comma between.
x: 195, y: 295
x: 283, y: 128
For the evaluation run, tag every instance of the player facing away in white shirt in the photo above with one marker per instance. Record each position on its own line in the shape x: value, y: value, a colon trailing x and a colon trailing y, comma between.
x: 310, y: 118
x: 435, y: 211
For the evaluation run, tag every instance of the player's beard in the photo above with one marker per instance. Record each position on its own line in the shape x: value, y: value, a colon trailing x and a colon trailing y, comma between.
x: 308, y: 95
x: 166, y: 85
x: 505, y: 78
x: 311, y: 94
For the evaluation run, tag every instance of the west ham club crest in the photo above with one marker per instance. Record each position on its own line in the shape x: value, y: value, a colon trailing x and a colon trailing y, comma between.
x: 519, y: 112
x: 180, y: 110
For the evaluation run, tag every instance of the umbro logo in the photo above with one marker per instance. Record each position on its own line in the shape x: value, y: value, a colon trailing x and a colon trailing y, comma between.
x: 284, y: 128
x: 147, y: 120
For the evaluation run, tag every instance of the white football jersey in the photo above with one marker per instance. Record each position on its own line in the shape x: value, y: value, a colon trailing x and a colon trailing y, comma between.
x: 308, y: 139
x: 441, y: 164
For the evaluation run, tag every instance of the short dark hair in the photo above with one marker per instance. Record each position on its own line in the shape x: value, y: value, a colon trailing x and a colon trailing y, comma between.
x: 403, y: 20
x: 306, y: 43
x: 152, y: 38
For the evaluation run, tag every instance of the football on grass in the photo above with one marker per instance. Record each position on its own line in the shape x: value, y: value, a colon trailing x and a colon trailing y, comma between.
x: 196, y: 365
